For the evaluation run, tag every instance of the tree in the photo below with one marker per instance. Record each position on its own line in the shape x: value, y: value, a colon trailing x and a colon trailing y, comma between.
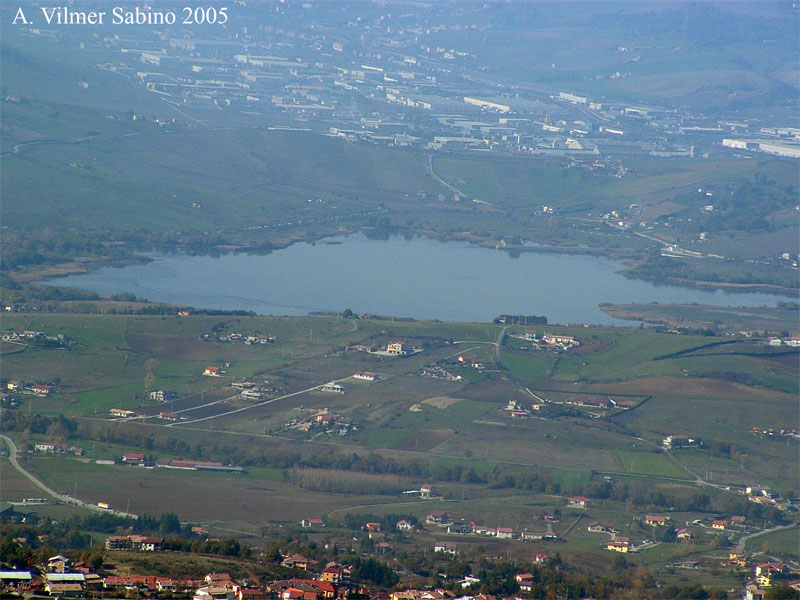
x: 169, y: 523
x: 781, y: 592
x: 669, y: 535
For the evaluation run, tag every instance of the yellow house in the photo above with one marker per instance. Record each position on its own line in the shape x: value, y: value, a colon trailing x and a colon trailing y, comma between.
x: 618, y: 546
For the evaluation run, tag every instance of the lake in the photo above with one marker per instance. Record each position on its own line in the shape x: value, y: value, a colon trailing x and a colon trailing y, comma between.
x: 420, y: 278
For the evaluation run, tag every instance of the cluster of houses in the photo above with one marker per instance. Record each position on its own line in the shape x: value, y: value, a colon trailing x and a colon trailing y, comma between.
x: 515, y: 410
x: 64, y: 580
x: 765, y: 575
x: 396, y: 348
x: 55, y: 448
x: 326, y: 422
x: 37, y: 389
x: 254, y: 392
x: 464, y: 360
x: 769, y: 431
x: 792, y: 342
x: 142, y: 543
x: 22, y: 336
x: 140, y: 460
x: 437, y: 372
x: 442, y: 519
x: 247, y: 338
x: 548, y: 341
x: 618, y: 543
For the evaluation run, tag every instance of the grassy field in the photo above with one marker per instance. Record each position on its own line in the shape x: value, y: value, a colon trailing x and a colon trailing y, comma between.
x: 783, y: 543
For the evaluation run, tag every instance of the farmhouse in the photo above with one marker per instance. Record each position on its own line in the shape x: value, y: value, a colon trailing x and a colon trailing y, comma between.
x: 535, y: 536
x: 445, y: 547
x: 680, y: 441
x: 524, y: 581
x: 462, y: 528
x: 437, y: 517
x: 297, y: 561
x: 684, y: 534
x: 42, y: 390
x: 505, y: 532
x: 312, y: 523
x: 559, y: 340
x: 133, y: 459
x: 243, y: 385
x: 618, y: 545
x: 597, y: 527
x: 719, y: 524
x: 122, y: 413
x: 160, y: 396
x: 579, y: 502
x: 365, y: 376
x: 395, y: 348
x: 169, y: 416
x: 211, y: 371
x: 51, y: 448
x: 593, y: 402
x: 483, y: 530
x: 656, y: 520
x: 404, y: 526
x: 332, y: 387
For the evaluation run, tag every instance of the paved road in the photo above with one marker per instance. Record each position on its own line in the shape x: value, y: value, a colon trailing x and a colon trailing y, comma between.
x: 499, y: 343
x: 252, y: 406
x: 15, y: 463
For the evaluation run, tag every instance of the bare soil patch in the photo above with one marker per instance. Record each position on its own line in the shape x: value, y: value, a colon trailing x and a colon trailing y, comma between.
x: 441, y: 401
x: 172, y: 346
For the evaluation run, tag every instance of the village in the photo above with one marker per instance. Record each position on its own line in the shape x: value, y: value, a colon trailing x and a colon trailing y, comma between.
x: 305, y: 578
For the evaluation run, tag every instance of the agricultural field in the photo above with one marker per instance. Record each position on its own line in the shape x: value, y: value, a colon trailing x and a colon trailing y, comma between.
x: 403, y: 428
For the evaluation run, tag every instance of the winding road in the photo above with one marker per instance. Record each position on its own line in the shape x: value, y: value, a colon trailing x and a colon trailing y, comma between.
x: 12, y: 457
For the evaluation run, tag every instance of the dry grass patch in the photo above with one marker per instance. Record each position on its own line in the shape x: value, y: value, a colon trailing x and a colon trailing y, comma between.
x: 441, y: 401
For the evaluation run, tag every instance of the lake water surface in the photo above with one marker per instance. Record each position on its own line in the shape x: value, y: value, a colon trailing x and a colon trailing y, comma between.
x: 420, y: 278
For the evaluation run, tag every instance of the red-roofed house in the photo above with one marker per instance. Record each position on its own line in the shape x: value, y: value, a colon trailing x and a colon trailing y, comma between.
x: 525, y: 581
x: 312, y: 523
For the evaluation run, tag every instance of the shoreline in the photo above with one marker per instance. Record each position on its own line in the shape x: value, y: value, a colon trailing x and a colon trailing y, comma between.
x: 80, y: 266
